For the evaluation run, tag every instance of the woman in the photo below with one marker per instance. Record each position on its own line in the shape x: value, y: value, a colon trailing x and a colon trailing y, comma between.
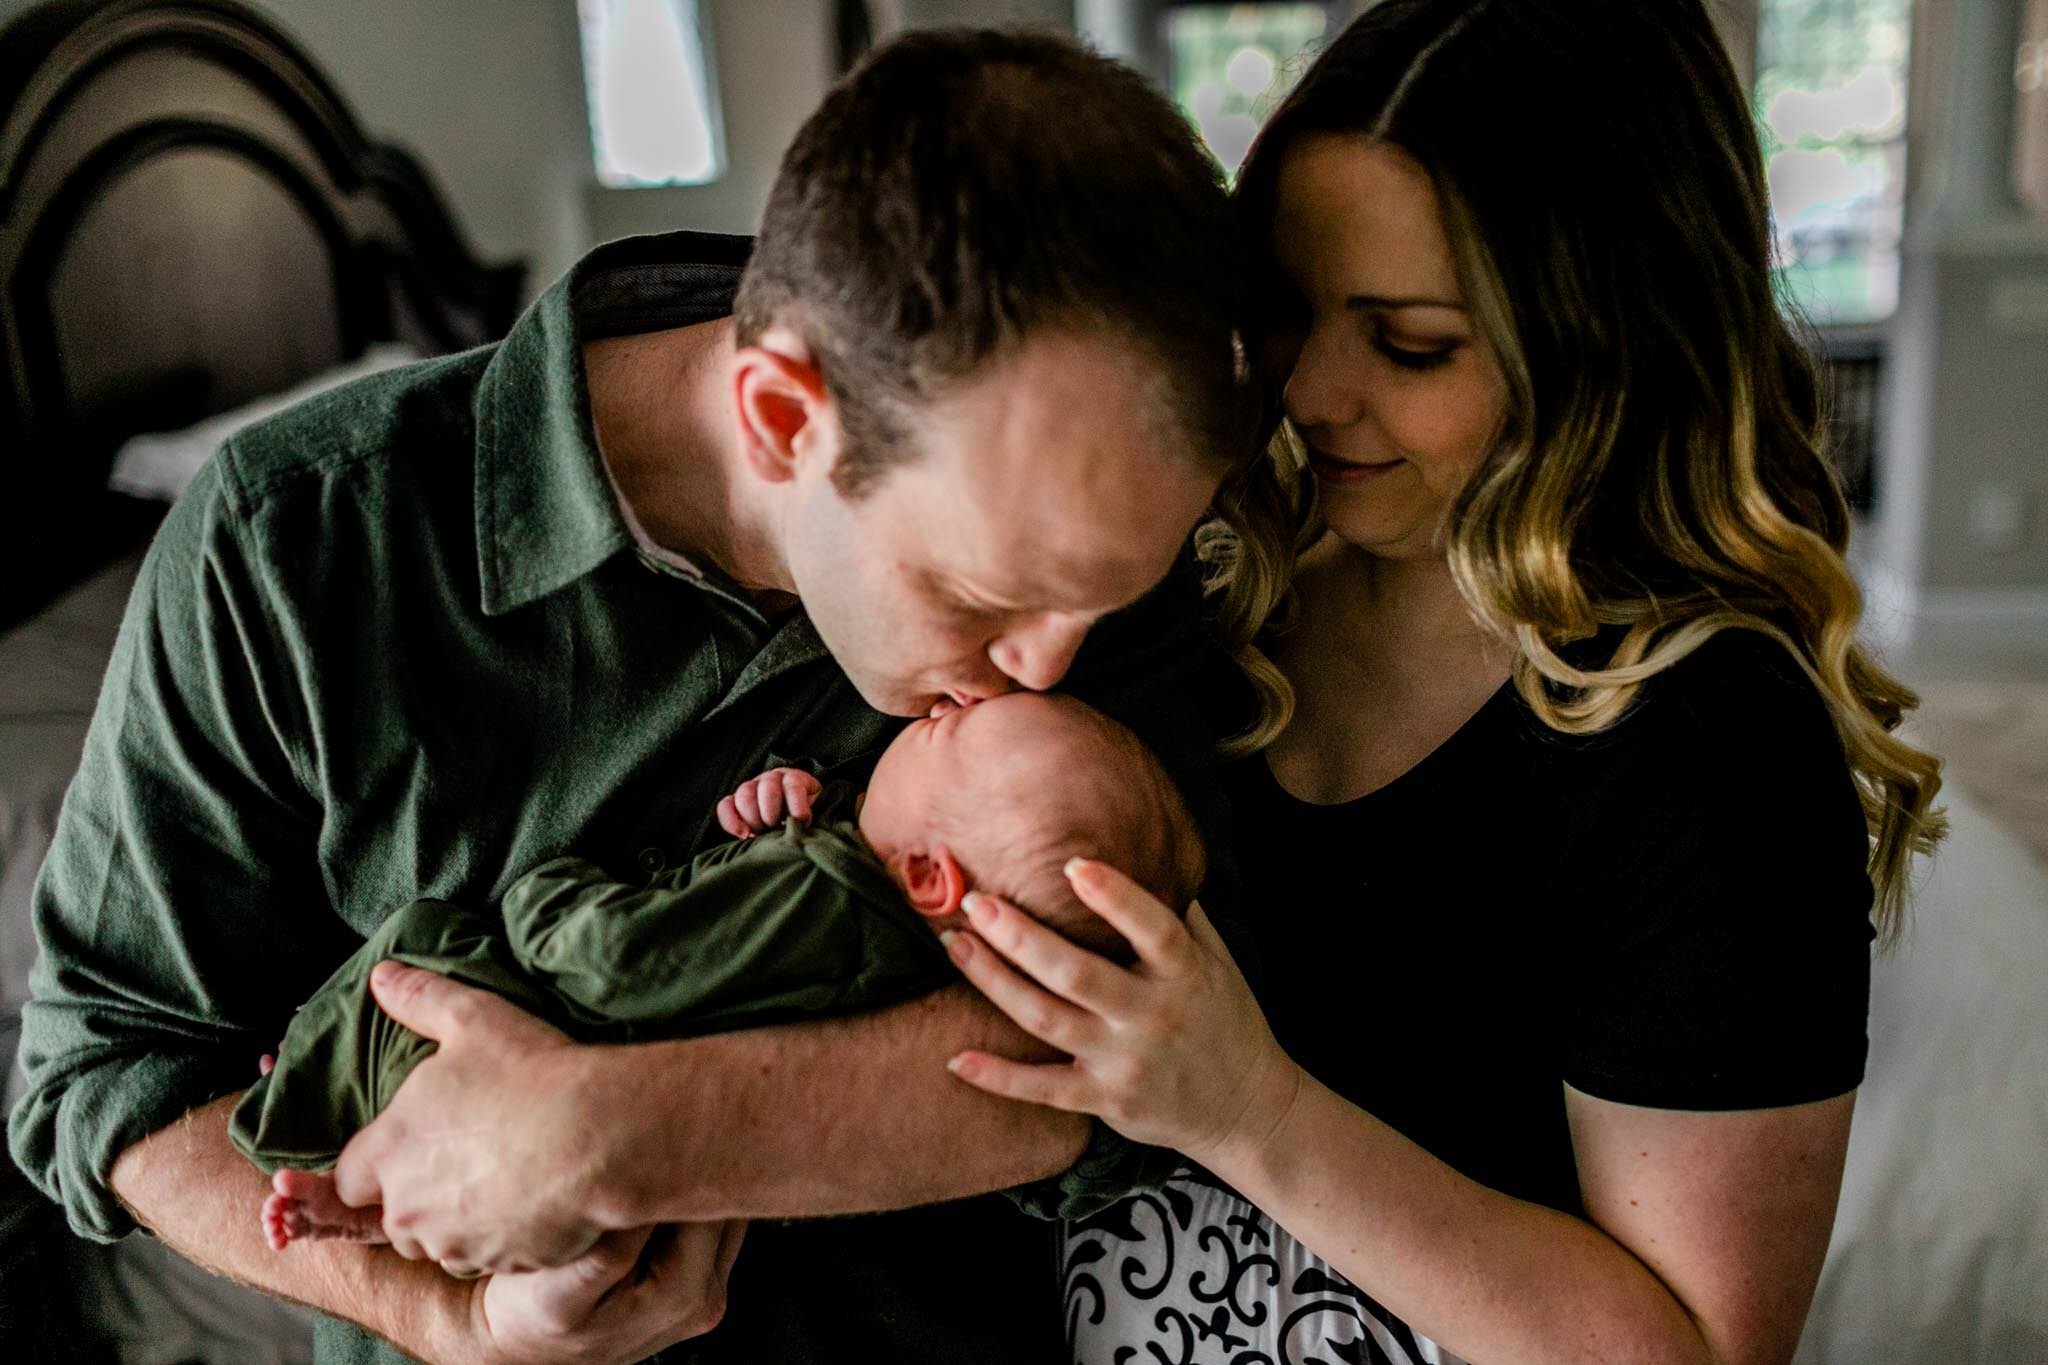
x: 1564, y: 867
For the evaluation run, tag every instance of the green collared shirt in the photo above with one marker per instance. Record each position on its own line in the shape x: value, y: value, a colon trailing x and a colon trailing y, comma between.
x: 399, y: 642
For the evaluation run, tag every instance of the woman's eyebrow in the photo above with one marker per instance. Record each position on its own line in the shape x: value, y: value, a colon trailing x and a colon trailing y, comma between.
x: 1388, y: 302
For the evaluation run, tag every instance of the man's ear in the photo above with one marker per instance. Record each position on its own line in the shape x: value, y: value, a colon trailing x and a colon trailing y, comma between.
x: 932, y: 882
x: 779, y: 398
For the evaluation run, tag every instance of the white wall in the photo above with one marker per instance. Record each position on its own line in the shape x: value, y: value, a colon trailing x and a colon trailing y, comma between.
x: 1962, y: 550
x: 774, y: 62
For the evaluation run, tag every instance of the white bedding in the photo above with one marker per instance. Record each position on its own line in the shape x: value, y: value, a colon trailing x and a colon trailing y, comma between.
x: 50, y: 669
x: 1940, y: 1250
x: 158, y: 464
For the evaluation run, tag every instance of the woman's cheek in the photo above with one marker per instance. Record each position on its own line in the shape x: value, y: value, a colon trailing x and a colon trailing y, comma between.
x: 1453, y: 426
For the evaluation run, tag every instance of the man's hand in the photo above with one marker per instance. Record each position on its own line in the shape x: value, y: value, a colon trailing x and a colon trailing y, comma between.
x: 488, y: 1157
x: 760, y: 803
x: 633, y: 1293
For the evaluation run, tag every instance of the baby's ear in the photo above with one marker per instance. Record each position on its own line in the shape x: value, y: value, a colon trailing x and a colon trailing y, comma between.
x: 932, y: 882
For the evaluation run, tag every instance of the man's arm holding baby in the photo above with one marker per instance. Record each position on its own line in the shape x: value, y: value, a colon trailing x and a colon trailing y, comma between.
x: 601, y: 1137
x: 514, y: 1145
x: 188, y: 1184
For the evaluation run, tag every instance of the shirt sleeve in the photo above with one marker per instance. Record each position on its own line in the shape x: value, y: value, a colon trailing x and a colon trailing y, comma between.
x: 1725, y: 956
x: 180, y: 913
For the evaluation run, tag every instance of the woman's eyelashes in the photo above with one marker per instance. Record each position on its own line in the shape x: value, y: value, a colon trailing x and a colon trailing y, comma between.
x: 1412, y: 357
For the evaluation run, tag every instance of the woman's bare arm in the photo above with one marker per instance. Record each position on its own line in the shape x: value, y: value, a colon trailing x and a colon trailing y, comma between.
x: 1705, y: 1238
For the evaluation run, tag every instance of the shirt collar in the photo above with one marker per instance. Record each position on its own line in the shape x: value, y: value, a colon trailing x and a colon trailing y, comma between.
x: 546, y: 512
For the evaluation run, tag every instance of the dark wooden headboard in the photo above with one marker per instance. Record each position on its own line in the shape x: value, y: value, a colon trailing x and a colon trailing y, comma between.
x: 189, y: 218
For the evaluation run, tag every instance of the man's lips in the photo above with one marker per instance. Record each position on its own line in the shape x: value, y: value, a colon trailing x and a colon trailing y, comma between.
x: 1333, y: 470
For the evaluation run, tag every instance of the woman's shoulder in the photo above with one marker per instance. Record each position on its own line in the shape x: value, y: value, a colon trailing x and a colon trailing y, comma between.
x: 1739, y: 692
x: 1734, y: 737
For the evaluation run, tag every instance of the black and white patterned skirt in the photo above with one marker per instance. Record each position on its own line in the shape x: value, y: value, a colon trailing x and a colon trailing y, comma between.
x: 1191, y: 1274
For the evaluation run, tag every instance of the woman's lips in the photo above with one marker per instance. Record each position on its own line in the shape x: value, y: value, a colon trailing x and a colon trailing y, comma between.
x: 1333, y: 470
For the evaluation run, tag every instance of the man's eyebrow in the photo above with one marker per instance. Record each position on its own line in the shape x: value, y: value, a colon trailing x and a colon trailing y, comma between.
x: 1365, y: 301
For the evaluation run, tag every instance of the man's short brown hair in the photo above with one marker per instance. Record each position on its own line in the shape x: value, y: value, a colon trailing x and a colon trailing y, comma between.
x: 962, y: 188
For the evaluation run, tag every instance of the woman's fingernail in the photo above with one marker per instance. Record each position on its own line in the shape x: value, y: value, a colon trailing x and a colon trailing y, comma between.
x: 976, y: 906
x: 1073, y: 867
x: 953, y: 1064
x: 956, y: 946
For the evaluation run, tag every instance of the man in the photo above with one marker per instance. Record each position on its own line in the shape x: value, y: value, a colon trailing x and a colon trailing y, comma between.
x: 412, y: 638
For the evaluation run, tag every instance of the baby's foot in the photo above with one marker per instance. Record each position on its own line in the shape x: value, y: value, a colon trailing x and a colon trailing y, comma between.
x: 303, y: 1207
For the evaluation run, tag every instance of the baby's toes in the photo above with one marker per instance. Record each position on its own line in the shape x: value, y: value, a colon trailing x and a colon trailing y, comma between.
x: 278, y: 1215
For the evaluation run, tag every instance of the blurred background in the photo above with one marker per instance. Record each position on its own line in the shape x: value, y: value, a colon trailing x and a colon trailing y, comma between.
x: 1907, y: 146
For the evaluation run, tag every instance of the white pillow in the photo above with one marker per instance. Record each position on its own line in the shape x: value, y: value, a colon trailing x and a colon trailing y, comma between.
x: 159, y: 464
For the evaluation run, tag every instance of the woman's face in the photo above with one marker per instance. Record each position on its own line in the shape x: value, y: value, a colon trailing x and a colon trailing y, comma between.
x: 1391, y: 385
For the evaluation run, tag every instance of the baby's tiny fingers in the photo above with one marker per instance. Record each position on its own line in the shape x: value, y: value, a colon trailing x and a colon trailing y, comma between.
x: 729, y: 818
x: 749, y: 808
x: 768, y: 795
x: 797, y: 786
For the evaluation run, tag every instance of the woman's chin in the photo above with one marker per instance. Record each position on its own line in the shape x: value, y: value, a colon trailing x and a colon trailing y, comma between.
x: 1383, y: 532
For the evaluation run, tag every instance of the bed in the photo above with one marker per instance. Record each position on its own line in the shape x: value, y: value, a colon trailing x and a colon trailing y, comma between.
x: 190, y: 220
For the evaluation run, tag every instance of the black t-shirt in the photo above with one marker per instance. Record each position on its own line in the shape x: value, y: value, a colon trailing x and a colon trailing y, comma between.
x: 1672, y: 913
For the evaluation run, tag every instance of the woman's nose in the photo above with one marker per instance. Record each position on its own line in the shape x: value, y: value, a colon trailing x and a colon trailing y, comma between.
x: 1322, y: 390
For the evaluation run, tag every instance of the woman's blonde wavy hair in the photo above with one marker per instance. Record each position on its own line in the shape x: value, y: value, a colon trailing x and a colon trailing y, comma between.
x: 1661, y: 474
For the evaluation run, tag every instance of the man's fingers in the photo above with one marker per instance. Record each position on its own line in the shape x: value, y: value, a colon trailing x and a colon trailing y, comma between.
x: 429, y: 1003
x: 611, y: 1256
x: 689, y: 1268
x: 568, y: 1294
x: 355, y: 1174
x: 1151, y: 928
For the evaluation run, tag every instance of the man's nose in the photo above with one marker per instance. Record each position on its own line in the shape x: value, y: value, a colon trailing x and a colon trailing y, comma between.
x: 1039, y: 653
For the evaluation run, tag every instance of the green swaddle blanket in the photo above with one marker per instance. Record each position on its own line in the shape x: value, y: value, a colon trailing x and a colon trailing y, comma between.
x: 797, y: 922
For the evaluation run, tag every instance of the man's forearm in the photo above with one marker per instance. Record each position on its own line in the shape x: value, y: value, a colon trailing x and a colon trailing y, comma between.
x: 846, y: 1115
x: 190, y: 1186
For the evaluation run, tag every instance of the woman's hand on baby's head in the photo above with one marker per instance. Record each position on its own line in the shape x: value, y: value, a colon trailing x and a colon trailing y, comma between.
x: 761, y: 802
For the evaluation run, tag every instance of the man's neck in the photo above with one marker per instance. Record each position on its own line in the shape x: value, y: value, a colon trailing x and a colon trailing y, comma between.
x: 660, y: 405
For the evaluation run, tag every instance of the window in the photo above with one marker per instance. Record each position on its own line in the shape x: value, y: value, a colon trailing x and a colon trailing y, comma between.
x: 653, y: 107
x: 1231, y: 64
x: 1831, y: 102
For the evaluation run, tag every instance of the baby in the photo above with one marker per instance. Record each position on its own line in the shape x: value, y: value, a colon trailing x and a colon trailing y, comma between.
x: 833, y: 909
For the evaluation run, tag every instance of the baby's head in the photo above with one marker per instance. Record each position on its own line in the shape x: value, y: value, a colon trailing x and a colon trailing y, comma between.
x: 999, y: 796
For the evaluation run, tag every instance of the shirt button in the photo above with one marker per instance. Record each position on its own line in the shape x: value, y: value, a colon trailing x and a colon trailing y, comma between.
x: 652, y: 861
